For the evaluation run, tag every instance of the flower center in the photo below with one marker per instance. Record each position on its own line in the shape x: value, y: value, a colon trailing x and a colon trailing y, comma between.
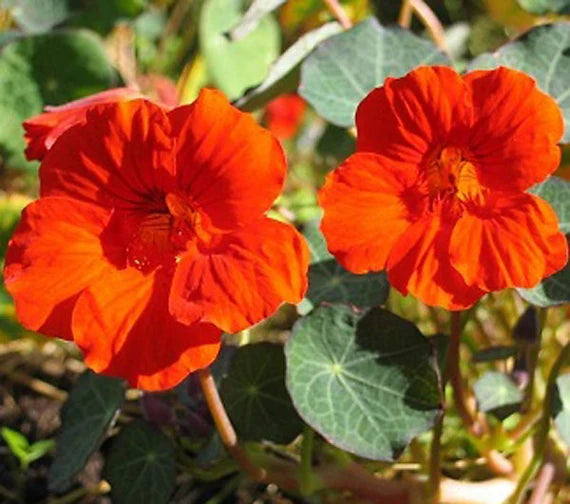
x: 161, y: 236
x: 452, y: 178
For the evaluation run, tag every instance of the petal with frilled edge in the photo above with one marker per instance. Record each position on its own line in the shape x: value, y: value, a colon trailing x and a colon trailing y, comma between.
x: 243, y: 278
x: 513, y: 242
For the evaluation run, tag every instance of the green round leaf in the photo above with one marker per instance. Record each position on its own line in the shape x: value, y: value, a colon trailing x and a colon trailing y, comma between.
x: 141, y: 467
x: 46, y: 70
x: 255, y: 396
x: 235, y: 66
x: 561, y: 407
x: 544, y: 6
x: 85, y: 418
x: 495, y: 392
x: 330, y: 282
x: 66, y: 65
x: 346, y: 67
x: 283, y: 76
x: 544, y: 54
x: 37, y: 16
x: 368, y: 381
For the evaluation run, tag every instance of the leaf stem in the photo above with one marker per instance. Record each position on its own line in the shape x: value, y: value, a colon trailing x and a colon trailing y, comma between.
x: 466, y: 414
x: 427, y: 17
x: 339, y: 13
x: 541, y: 437
x: 435, y: 461
x: 225, y: 427
x: 306, y: 476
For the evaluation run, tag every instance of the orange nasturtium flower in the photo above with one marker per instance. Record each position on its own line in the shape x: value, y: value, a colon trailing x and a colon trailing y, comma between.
x: 150, y: 238
x: 435, y: 193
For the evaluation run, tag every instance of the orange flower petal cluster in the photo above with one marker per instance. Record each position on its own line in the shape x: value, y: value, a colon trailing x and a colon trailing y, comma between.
x: 435, y: 193
x: 150, y: 238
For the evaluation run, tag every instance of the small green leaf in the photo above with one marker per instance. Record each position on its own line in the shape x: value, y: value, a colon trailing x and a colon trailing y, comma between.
x: 368, y: 381
x: 140, y: 466
x: 37, y: 16
x: 255, y: 396
x: 17, y: 443
x: 561, y: 407
x: 330, y: 282
x: 236, y: 66
x: 544, y: 54
x: 85, y: 418
x: 495, y: 392
x: 544, y: 6
x: 39, y: 449
x: 346, y: 67
x: 283, y: 76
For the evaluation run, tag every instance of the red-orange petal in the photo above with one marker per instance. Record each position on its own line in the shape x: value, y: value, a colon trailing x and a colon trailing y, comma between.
x: 123, y: 326
x: 408, y: 117
x: 43, y: 130
x: 54, y: 254
x: 515, y: 242
x: 368, y: 202
x: 243, y: 278
x: 419, y: 264
x: 515, y: 131
x: 232, y: 168
x: 120, y: 157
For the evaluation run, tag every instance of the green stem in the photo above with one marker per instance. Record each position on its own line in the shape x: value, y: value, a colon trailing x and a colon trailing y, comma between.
x: 306, y: 475
x: 435, y: 461
x: 541, y: 437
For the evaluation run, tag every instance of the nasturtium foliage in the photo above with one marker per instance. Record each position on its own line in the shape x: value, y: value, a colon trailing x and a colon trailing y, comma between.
x: 561, y: 407
x: 257, y: 10
x: 22, y: 449
x: 37, y: 16
x: 495, y: 353
x: 367, y: 381
x: 283, y: 76
x: 141, y: 467
x: 545, y: 6
x: 46, y: 70
x: 329, y: 282
x: 234, y: 66
x: 544, y: 54
x: 255, y: 396
x: 345, y: 68
x: 555, y: 289
x: 497, y: 393
x: 86, y: 417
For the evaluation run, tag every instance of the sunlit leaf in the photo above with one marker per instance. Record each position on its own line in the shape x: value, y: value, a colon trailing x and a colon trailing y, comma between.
x: 140, y: 466
x: 37, y: 16
x: 85, y: 419
x: 234, y: 66
x: 544, y: 54
x: 256, y: 398
x: 497, y: 393
x: 283, y: 75
x: 345, y: 68
x: 366, y: 381
x: 544, y: 6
